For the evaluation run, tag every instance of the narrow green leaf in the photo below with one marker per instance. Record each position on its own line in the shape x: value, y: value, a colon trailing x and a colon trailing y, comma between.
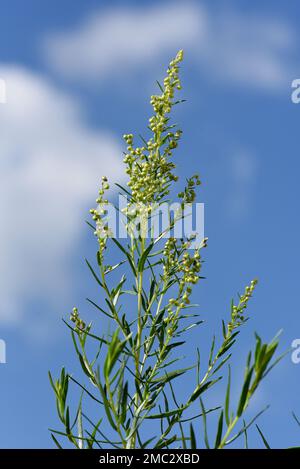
x: 123, y: 189
x: 107, y: 406
x: 124, y: 403
x: 94, y: 274
x: 245, y: 434
x: 164, y: 443
x: 166, y: 414
x: 147, y: 442
x: 127, y: 254
x: 143, y: 257
x: 99, y: 308
x: 296, y: 418
x: 219, y: 431
x: 92, y: 438
x: 112, y: 268
x: 85, y: 367
x: 80, y: 427
x: 263, y: 437
x: 192, y: 437
x: 171, y: 375
x: 212, y: 348
x: 56, y: 441
x: 227, y: 398
x: 244, y: 428
x: 244, y: 393
x: 221, y: 364
x: 201, y: 388
x: 204, y: 424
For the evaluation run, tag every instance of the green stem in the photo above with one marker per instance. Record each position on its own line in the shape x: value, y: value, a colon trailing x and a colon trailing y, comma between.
x: 228, y: 432
x: 116, y: 416
x: 138, y: 344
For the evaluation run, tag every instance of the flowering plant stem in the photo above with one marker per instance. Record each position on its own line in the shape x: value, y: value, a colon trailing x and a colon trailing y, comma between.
x: 129, y: 386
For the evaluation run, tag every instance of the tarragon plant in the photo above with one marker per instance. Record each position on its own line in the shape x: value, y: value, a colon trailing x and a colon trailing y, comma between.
x: 133, y: 378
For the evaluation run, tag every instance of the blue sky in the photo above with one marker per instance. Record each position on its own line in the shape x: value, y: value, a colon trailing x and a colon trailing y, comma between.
x: 79, y: 75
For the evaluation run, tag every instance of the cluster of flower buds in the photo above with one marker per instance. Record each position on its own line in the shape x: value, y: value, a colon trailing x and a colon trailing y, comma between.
x: 170, y: 257
x: 133, y: 153
x: 204, y: 243
x: 190, y: 267
x: 149, y: 179
x: 189, y: 193
x: 102, y: 231
x: 100, y: 199
x: 163, y: 103
x: 238, y: 311
x: 149, y: 174
x: 150, y: 171
x: 172, y: 141
x: 79, y: 323
x: 137, y: 215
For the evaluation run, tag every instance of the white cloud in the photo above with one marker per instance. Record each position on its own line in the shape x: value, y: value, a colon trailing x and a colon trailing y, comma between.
x: 248, y: 49
x: 120, y: 39
x: 243, y: 168
x: 226, y: 45
x: 50, y: 167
